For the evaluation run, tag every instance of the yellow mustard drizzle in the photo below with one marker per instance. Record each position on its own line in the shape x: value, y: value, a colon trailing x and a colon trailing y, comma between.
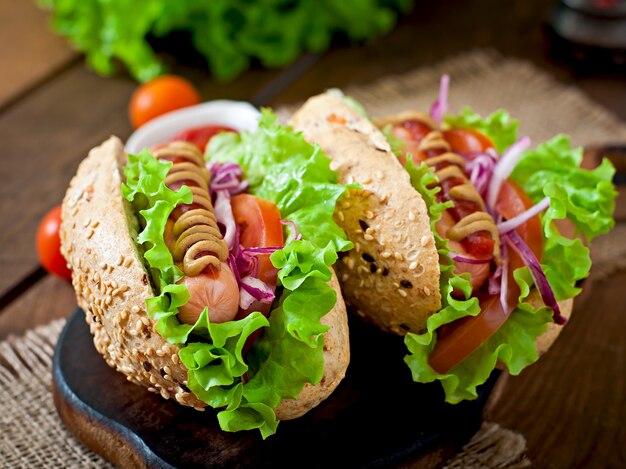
x: 477, y: 221
x: 196, y: 230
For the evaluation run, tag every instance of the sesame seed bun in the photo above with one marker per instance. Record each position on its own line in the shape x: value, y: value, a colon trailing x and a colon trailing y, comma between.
x: 391, y: 277
x: 98, y: 233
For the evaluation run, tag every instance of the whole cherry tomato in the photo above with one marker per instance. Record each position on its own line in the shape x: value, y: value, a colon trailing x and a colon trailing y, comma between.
x: 159, y: 96
x: 49, y: 244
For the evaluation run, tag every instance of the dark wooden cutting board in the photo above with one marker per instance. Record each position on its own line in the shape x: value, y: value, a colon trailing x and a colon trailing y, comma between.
x: 377, y: 417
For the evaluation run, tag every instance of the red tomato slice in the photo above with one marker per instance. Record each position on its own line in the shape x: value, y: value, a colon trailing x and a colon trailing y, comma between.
x: 467, y: 140
x: 259, y: 221
x: 459, y: 339
x: 200, y: 136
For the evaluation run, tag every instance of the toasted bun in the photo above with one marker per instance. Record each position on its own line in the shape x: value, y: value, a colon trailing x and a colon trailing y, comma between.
x: 391, y: 278
x: 98, y: 233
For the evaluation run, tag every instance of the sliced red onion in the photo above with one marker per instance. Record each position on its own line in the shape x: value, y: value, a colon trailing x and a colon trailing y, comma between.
x: 440, y: 107
x: 469, y: 260
x: 257, y: 289
x: 224, y: 216
x: 503, y: 169
x: 523, y: 217
x: 504, y: 281
x: 495, y: 283
x: 294, y: 229
x: 264, y: 250
x: 539, y: 276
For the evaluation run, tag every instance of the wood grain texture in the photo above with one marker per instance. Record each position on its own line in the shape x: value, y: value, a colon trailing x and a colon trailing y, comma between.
x: 571, y: 404
x: 48, y: 299
x: 29, y: 51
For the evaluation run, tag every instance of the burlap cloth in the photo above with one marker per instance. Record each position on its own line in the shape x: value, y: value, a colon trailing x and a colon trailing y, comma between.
x: 33, y: 436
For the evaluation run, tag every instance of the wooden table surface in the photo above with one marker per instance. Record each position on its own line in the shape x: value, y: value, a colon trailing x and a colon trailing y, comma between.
x: 571, y: 405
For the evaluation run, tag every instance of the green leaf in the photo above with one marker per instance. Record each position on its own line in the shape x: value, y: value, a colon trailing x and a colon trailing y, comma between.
x: 230, y: 34
x: 586, y: 198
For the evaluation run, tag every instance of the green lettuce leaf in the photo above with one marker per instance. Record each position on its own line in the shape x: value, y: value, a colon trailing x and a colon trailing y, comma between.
x: 584, y: 197
x: 248, y: 388
x: 230, y: 34
x: 499, y: 127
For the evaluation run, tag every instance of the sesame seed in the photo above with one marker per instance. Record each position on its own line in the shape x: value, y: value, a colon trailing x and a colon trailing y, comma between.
x: 120, y: 260
x: 341, y: 216
x: 167, y: 370
x: 411, y: 215
x: 369, y: 214
x: 413, y: 265
x: 349, y: 180
x: 368, y: 237
x: 426, y: 291
x: 345, y: 277
x: 424, y: 240
x: 385, y: 254
x: 153, y: 379
x: 346, y: 204
x: 357, y: 247
x: 90, y: 233
x: 116, y: 292
x: 135, y: 309
x: 174, y: 358
x: 402, y: 293
x: 128, y: 261
x: 398, y: 256
x: 384, y: 198
x: 367, y: 180
x: 145, y: 321
x: 86, y: 222
x: 102, y: 265
x: 379, y: 175
x: 363, y: 269
x: 95, y: 224
x: 361, y: 283
x: 107, y: 300
x: 151, y: 389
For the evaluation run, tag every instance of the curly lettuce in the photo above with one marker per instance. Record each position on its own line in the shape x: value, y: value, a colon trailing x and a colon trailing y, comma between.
x: 247, y: 388
x: 586, y: 198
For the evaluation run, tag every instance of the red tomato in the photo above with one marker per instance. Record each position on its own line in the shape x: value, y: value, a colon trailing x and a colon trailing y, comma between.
x: 260, y: 225
x: 459, y: 339
x: 163, y: 94
x: 467, y: 140
x: 411, y: 132
x: 49, y: 244
x: 200, y: 136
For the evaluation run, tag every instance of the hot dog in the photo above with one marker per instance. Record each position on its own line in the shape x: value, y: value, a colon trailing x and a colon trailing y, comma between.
x: 459, y: 247
x: 190, y: 295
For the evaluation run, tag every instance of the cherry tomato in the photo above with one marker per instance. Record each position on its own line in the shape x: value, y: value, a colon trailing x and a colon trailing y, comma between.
x: 260, y: 225
x: 467, y: 140
x: 163, y: 94
x: 460, y: 338
x: 49, y: 244
x: 200, y: 136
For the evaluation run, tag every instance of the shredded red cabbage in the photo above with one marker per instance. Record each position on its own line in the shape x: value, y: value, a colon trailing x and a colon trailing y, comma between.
x: 227, y: 176
x: 469, y: 260
x: 541, y: 282
x: 252, y: 289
